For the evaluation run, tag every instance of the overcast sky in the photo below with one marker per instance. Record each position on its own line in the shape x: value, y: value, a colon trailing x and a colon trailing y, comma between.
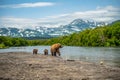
x: 52, y: 13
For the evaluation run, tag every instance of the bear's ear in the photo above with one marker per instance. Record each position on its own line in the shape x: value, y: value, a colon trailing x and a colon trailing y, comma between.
x: 58, y: 43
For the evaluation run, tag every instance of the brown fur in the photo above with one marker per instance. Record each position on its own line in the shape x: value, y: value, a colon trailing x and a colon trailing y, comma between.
x: 45, y: 52
x: 35, y: 51
x: 55, y: 49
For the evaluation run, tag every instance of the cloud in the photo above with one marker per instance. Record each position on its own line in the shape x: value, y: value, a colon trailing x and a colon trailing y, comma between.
x: 104, y: 14
x: 27, y: 5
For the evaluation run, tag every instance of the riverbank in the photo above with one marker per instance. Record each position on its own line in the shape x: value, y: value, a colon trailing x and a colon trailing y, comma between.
x: 26, y: 66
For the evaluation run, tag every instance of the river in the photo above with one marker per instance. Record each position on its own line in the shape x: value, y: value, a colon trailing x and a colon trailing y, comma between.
x: 108, y: 55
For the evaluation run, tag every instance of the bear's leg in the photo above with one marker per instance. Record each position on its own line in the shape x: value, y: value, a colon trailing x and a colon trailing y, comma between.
x: 46, y: 53
x: 58, y: 52
x: 54, y: 53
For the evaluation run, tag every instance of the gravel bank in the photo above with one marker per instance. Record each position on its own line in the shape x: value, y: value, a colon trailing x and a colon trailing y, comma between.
x: 26, y: 66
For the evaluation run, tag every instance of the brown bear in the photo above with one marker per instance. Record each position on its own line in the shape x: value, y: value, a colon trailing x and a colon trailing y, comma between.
x: 55, y: 49
x: 45, y: 52
x: 35, y: 51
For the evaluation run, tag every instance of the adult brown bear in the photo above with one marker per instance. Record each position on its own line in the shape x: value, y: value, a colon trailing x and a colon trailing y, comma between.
x: 55, y: 49
x: 35, y: 51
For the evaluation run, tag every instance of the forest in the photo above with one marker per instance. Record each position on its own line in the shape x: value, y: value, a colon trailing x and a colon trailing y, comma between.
x: 104, y: 36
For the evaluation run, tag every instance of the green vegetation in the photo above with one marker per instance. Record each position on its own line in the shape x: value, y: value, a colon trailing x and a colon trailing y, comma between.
x: 8, y: 42
x: 100, y: 36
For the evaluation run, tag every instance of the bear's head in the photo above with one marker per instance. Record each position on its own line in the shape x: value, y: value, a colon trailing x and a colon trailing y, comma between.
x: 60, y: 46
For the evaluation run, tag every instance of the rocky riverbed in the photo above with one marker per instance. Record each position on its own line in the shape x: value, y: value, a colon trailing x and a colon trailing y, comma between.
x: 26, y: 66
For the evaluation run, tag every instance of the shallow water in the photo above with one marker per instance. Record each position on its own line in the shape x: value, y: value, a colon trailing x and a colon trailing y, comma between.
x: 108, y: 55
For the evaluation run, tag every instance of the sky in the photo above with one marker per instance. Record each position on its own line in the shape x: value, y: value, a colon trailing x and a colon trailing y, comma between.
x: 53, y: 13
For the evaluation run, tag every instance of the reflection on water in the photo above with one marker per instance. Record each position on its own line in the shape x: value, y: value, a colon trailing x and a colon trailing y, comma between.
x: 109, y: 55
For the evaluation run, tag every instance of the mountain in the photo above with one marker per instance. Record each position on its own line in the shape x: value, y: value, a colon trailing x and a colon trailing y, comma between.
x: 80, y: 24
x: 40, y: 31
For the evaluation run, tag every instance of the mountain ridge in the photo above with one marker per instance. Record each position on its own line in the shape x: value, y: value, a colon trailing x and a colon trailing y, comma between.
x: 40, y: 31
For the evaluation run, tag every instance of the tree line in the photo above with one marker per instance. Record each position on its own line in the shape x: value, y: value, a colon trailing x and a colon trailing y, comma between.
x: 100, y: 36
x: 9, y: 41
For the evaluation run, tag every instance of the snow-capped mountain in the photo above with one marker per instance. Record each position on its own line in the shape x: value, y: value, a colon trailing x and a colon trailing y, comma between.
x: 40, y: 31
x: 79, y: 24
